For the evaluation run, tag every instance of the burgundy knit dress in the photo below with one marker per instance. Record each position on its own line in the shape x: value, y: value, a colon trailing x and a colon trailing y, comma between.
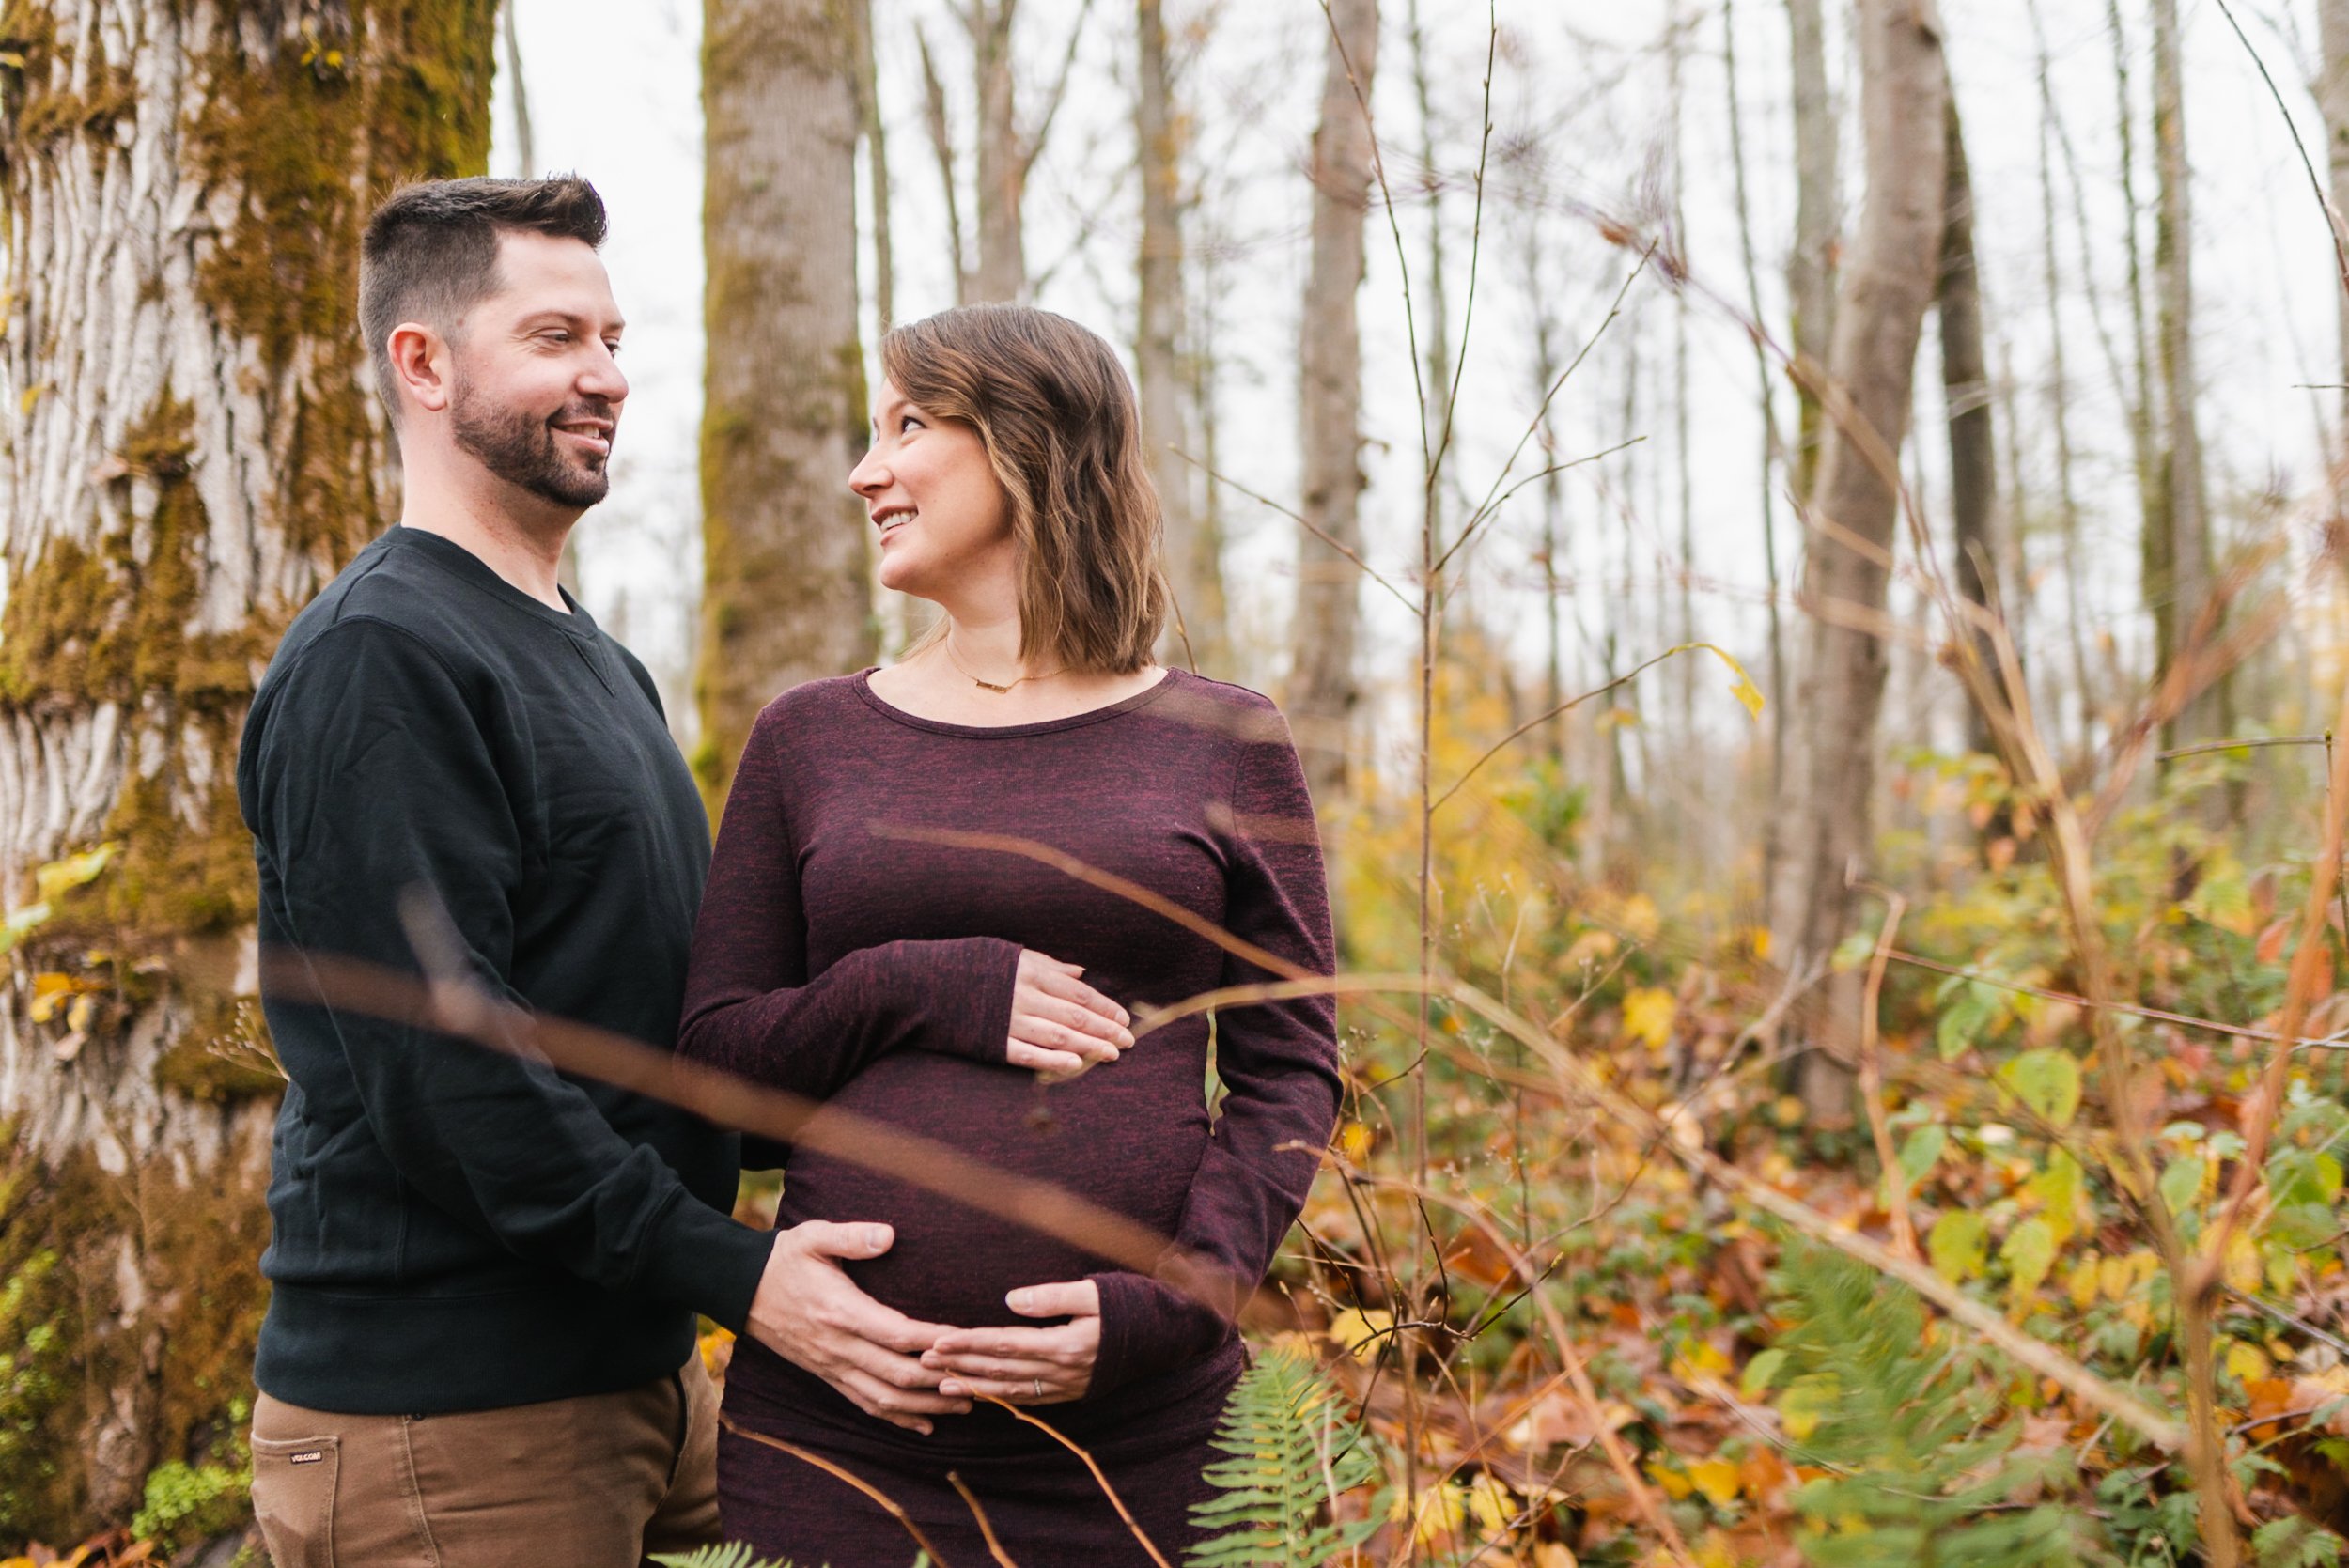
x: 844, y: 961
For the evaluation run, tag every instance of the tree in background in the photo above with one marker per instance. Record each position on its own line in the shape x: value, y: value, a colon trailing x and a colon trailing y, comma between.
x: 786, y: 593
x: 1824, y: 813
x: 2332, y: 102
x: 1324, y: 687
x: 1810, y: 267
x: 1192, y: 551
x: 2179, y: 584
x: 1965, y: 401
x: 192, y: 449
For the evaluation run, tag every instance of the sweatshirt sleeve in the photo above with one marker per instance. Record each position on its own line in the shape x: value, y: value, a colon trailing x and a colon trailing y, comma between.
x: 374, y: 776
x: 752, y: 1009
x: 1278, y: 1062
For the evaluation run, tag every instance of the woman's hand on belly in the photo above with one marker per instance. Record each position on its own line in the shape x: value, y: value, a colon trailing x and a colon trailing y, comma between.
x: 1026, y: 1366
x: 1060, y: 1026
x: 809, y: 1313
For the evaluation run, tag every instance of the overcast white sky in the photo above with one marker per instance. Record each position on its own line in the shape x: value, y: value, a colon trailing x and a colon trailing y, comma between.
x: 614, y: 92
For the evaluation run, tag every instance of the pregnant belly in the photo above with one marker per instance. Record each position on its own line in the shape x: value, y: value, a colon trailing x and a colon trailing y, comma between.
x: 1127, y: 1138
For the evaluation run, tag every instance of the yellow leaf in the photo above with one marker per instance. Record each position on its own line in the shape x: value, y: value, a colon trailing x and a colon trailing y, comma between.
x: 32, y: 396
x: 1354, y: 1142
x: 1761, y: 943
x: 1648, y: 1012
x: 1742, y: 688
x: 1717, y: 1478
x: 1362, y: 1332
x: 59, y: 877
x: 1490, y: 1505
x: 2242, y: 1266
x: 2081, y: 1285
x: 1547, y: 1554
x: 1440, y: 1510
x: 1700, y: 1359
x: 2245, y: 1361
x: 1674, y: 1481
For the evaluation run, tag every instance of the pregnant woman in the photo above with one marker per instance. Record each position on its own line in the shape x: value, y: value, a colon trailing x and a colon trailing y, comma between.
x: 955, y: 992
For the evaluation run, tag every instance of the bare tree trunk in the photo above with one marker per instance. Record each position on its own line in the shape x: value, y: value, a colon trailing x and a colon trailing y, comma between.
x: 943, y: 148
x: 1965, y: 396
x: 2191, y: 582
x: 1193, y: 552
x: 1832, y: 764
x: 2332, y: 97
x: 1435, y: 351
x: 876, y: 188
x: 786, y: 593
x: 188, y: 451
x: 1811, y: 267
x: 1765, y: 399
x: 1323, y: 690
x: 1675, y: 55
x: 1002, y: 156
x: 1545, y: 372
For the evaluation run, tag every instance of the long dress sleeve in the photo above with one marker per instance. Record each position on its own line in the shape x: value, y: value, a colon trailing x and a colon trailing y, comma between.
x: 752, y: 1009
x: 1278, y: 1062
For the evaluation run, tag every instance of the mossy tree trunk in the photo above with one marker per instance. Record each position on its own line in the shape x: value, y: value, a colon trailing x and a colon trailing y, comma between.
x: 188, y: 450
x: 787, y: 592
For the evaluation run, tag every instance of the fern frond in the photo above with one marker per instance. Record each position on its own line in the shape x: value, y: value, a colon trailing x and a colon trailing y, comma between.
x: 1292, y: 1448
x: 733, y: 1554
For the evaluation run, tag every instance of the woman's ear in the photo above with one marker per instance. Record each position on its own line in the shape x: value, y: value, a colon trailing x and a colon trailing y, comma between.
x: 420, y: 366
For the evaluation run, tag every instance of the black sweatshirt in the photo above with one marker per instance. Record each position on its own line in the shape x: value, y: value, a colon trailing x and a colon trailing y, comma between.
x: 454, y: 1228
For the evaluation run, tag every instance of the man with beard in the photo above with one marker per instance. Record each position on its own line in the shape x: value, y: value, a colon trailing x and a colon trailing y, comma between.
x: 479, y: 1347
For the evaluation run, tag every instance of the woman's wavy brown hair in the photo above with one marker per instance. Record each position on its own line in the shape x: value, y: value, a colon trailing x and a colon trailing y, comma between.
x: 1057, y: 416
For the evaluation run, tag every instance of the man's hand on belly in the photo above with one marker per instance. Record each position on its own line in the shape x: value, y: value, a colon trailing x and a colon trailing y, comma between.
x: 1026, y: 1366
x: 809, y: 1313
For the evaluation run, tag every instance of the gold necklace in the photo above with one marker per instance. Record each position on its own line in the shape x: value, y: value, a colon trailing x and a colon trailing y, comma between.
x: 947, y: 643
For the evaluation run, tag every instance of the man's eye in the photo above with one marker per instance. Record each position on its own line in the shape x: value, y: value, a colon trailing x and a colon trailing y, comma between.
x: 612, y: 347
x: 908, y: 422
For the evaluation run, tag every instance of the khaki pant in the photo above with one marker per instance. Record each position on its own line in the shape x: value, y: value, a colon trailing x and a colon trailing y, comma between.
x: 598, y: 1481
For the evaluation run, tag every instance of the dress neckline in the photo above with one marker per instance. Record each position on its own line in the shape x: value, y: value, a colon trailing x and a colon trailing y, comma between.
x: 864, y: 683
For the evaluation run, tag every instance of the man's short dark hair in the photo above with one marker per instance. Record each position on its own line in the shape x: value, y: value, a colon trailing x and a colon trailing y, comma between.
x: 431, y: 251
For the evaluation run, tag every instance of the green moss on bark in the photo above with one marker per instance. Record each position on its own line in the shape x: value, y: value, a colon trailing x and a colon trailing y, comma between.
x: 188, y: 1358
x: 311, y: 137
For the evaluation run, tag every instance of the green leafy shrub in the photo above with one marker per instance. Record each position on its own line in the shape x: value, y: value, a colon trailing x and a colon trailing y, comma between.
x: 187, y: 1503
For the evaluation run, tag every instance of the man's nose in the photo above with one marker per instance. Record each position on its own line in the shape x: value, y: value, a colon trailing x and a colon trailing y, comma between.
x: 603, y: 379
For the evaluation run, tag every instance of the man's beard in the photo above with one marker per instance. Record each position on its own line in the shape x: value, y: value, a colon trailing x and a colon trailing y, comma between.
x: 524, y: 451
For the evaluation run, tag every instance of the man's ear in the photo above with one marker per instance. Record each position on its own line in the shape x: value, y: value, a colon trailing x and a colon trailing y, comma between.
x: 420, y: 366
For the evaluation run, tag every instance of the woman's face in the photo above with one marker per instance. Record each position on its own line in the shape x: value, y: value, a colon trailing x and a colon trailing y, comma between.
x: 944, y: 521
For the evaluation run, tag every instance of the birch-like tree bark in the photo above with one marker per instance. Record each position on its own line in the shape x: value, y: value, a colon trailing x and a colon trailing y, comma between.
x: 1966, y: 400
x: 189, y: 449
x: 1193, y: 552
x: 787, y: 592
x: 1324, y: 687
x: 1888, y: 285
x: 1811, y: 268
